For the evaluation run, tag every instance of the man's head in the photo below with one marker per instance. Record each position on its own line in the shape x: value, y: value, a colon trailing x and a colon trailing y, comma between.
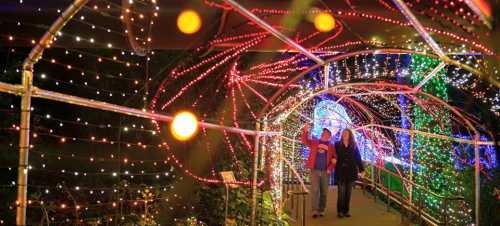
x: 326, y: 134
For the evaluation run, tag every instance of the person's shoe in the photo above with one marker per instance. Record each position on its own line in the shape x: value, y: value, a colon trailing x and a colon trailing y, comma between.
x: 315, y: 215
x: 322, y: 214
x: 340, y: 215
x: 347, y: 215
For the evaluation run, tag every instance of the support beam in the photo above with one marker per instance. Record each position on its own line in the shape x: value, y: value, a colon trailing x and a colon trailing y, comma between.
x: 477, y: 179
x: 27, y: 85
x: 326, y: 75
x: 254, y: 177
x: 10, y: 88
x: 412, y: 138
x: 482, y: 9
x: 418, y: 26
x: 55, y: 96
x: 252, y: 17
x: 427, y: 134
x: 24, y: 145
x: 65, y: 98
x: 429, y: 76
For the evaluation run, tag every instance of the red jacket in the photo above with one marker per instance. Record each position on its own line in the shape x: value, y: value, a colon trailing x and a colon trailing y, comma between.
x: 313, y: 150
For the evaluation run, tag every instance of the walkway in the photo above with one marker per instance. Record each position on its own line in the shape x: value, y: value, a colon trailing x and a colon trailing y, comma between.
x: 364, y: 211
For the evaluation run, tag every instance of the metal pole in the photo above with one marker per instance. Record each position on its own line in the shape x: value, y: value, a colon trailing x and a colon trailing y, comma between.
x: 303, y: 209
x: 427, y: 134
x: 254, y: 176
x: 410, y: 195
x: 50, y: 95
x: 477, y: 178
x: 326, y: 70
x: 374, y: 182
x: 445, y: 215
x: 263, y: 148
x: 477, y: 9
x: 101, y: 105
x: 388, y: 191
x: 418, y: 26
x: 24, y: 142
x: 27, y: 85
x: 280, y: 177
x: 430, y: 76
x: 227, y: 202
x: 252, y: 17
x: 11, y: 89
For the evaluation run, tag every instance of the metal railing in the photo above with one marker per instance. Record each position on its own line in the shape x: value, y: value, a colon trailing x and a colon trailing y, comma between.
x: 407, y: 204
x: 295, y: 194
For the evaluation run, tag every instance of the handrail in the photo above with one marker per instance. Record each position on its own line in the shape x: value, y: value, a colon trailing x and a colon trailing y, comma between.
x: 416, y: 185
x: 295, y: 194
x: 299, y: 178
x: 400, y: 199
x: 378, y: 185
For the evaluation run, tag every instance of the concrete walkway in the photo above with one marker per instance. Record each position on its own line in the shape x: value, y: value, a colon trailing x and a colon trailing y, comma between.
x: 364, y: 211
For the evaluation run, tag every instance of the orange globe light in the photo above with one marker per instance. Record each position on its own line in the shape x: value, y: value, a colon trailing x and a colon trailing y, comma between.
x: 324, y: 22
x: 189, y: 22
x: 184, y: 125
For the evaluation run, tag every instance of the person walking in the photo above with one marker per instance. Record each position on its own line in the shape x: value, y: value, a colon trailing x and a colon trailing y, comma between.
x: 321, y: 162
x: 349, y: 166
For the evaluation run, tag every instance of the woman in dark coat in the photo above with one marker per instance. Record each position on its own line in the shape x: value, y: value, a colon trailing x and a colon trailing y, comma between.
x: 349, y: 165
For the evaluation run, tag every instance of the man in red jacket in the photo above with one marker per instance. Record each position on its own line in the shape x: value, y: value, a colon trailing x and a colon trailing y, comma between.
x: 321, y: 162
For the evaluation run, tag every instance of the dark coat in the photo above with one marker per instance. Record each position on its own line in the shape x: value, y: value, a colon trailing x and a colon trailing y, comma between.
x: 348, y: 162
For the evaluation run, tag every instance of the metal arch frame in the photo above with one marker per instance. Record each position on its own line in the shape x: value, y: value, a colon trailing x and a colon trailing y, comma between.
x: 411, y: 90
x: 27, y: 86
x: 316, y: 66
x: 404, y: 89
x: 356, y: 53
x: 403, y: 8
x: 252, y: 17
x: 319, y: 62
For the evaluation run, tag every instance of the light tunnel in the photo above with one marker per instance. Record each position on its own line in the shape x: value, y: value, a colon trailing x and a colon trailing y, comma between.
x: 413, y: 133
x: 89, y: 90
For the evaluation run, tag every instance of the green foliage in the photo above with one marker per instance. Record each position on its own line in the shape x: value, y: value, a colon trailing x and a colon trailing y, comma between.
x: 210, y: 198
x: 490, y: 205
x: 268, y: 216
x: 436, y: 170
x: 211, y: 207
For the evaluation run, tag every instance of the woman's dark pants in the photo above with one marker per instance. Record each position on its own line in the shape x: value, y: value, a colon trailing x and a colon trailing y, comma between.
x: 344, y: 196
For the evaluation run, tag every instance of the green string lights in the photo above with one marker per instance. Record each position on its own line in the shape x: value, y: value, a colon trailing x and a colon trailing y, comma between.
x: 436, y: 169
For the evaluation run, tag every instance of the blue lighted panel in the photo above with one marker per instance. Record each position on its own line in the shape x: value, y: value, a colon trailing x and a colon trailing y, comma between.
x: 333, y: 116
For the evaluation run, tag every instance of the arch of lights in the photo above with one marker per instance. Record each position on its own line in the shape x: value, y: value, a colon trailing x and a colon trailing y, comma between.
x: 344, y: 105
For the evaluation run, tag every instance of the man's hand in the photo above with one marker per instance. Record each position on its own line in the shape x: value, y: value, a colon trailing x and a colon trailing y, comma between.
x: 334, y: 161
x: 307, y: 127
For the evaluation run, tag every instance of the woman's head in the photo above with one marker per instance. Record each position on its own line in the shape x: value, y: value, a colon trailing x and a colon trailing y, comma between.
x: 348, y: 137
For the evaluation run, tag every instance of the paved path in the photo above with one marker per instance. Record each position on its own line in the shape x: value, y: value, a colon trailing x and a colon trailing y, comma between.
x: 364, y: 211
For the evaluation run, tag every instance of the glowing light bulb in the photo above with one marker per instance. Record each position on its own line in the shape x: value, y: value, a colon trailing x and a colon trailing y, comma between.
x: 324, y: 22
x: 189, y: 22
x: 184, y: 125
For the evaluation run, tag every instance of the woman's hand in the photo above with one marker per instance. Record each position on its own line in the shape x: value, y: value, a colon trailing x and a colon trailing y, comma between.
x: 334, y: 161
x: 361, y: 174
